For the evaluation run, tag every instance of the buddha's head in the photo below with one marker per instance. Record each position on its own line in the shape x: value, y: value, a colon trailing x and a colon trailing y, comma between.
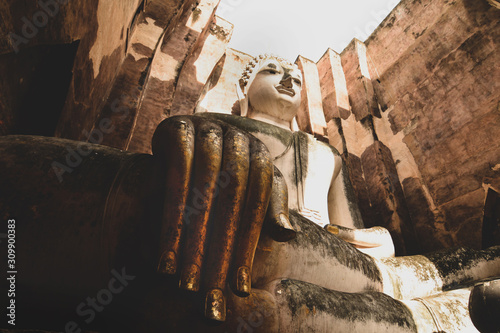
x: 269, y: 90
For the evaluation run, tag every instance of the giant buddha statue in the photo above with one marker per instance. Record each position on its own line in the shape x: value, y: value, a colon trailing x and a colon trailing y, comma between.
x: 235, y: 223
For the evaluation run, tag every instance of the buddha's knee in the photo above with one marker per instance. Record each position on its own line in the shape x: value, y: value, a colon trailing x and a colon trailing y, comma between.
x: 317, y: 257
x: 307, y: 307
x: 484, y: 306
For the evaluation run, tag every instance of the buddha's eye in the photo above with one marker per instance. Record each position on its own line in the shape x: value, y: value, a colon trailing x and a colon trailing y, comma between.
x: 297, y: 82
x: 271, y: 71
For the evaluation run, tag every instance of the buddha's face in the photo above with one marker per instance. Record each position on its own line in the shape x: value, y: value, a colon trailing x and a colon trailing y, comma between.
x: 275, y: 90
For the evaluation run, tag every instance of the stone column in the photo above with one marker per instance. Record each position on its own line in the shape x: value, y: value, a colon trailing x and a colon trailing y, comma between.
x: 310, y: 118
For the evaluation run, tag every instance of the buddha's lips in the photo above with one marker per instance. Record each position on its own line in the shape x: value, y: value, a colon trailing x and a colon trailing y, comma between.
x: 286, y: 91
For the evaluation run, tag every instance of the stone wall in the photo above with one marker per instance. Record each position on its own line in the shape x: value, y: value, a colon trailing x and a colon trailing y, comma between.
x: 124, y: 63
x: 99, y: 28
x: 219, y: 94
x: 168, y: 79
x: 436, y: 68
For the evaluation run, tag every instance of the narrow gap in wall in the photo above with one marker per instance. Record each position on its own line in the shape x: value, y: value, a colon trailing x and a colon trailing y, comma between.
x: 322, y: 138
x: 126, y: 40
x: 212, y: 81
x: 133, y: 23
x: 491, y: 219
x: 338, y: 122
x: 48, y: 84
x: 138, y: 11
x: 375, y: 109
x: 367, y: 122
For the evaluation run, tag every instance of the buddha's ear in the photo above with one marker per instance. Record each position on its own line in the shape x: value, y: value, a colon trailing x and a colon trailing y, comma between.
x: 243, y: 101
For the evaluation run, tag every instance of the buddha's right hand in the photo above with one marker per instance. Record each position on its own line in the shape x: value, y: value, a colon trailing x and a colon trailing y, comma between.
x: 219, y: 181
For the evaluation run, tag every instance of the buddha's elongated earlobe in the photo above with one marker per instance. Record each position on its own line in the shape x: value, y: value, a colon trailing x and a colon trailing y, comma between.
x: 243, y: 101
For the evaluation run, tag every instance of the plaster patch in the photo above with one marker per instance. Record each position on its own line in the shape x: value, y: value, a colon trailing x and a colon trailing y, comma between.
x: 357, y: 136
x: 147, y: 33
x: 111, y: 18
x: 137, y: 56
x: 407, y: 168
x: 166, y: 67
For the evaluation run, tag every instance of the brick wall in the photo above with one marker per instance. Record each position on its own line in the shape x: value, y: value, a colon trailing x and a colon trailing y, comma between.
x: 435, y: 64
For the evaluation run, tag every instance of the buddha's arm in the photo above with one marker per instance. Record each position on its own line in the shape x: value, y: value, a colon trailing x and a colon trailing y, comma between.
x: 316, y: 257
x: 345, y: 218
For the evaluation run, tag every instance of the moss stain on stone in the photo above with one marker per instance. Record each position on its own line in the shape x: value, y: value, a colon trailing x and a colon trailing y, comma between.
x: 196, y: 14
x: 219, y: 32
x: 308, y: 299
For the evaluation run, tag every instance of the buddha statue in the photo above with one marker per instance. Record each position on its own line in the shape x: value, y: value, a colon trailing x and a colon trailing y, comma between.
x: 233, y: 224
x: 428, y: 286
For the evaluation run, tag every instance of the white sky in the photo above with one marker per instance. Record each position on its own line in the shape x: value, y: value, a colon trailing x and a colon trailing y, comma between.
x: 307, y: 27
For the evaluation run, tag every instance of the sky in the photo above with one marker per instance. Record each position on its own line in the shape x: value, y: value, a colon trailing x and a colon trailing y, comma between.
x: 289, y: 28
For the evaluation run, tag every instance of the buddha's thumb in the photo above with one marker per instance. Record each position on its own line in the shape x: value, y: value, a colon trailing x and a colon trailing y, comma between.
x: 277, y: 221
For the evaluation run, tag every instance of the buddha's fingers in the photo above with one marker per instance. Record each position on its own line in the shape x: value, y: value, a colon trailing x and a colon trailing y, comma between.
x: 173, y: 144
x: 208, y: 154
x: 232, y: 185
x: 277, y: 222
x: 259, y: 191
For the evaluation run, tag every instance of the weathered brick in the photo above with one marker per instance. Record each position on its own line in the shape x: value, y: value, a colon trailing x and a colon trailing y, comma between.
x: 358, y: 135
x: 398, y: 117
x: 486, y: 74
x: 355, y: 173
x: 199, y: 64
x: 478, y: 47
x: 482, y: 134
x: 335, y: 137
x: 333, y: 86
x: 449, y: 186
x: 400, y: 30
x: 414, y: 146
x: 429, y: 237
x: 158, y: 94
x: 465, y: 213
x: 448, y: 30
x: 220, y: 91
x: 361, y: 93
x: 387, y: 198
x: 310, y: 117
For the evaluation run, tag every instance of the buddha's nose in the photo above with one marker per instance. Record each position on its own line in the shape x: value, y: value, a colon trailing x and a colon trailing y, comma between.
x: 286, y: 81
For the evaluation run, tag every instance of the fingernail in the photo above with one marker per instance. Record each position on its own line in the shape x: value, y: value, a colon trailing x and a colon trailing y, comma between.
x: 215, y: 305
x: 168, y: 263
x: 285, y: 222
x: 285, y: 230
x: 190, y: 278
x: 332, y: 229
x: 243, y: 281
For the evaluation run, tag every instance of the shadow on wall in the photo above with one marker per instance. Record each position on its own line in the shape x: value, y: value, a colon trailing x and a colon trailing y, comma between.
x: 43, y: 86
x: 476, y: 9
x: 491, y: 221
